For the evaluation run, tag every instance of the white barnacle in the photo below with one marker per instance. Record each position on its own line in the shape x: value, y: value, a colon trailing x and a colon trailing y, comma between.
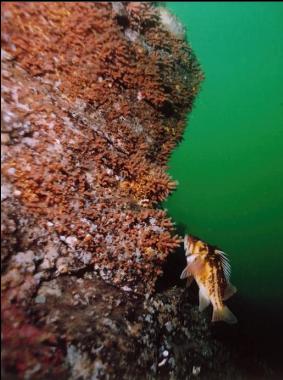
x: 131, y: 35
x: 71, y: 241
x: 170, y: 22
x: 162, y: 362
x: 11, y: 171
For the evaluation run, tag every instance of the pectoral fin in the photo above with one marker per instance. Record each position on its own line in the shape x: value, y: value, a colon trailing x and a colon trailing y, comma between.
x: 203, y: 301
x: 185, y: 273
x: 229, y: 291
x: 189, y: 281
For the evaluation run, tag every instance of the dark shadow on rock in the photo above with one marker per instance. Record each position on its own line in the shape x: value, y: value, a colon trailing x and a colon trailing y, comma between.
x: 174, y: 265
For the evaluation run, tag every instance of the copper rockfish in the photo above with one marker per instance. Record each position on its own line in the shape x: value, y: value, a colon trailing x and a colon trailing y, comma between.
x: 211, y: 270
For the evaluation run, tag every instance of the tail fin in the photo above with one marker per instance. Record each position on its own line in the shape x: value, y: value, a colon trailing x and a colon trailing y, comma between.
x: 224, y: 314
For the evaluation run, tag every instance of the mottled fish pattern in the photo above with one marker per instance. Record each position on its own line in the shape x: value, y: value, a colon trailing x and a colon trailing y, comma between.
x: 210, y: 268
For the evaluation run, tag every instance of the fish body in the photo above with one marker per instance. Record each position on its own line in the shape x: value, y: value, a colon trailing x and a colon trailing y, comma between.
x: 210, y: 268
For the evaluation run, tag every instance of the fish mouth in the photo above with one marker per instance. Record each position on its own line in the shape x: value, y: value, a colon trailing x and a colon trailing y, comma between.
x: 190, y: 239
x: 189, y: 242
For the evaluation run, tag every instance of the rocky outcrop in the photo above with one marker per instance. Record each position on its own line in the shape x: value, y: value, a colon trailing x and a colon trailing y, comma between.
x: 94, y: 100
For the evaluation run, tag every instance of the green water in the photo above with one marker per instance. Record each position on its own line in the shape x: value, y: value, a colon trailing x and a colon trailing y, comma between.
x: 230, y: 164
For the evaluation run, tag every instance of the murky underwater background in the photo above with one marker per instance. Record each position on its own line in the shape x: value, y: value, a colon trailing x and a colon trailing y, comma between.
x: 230, y: 163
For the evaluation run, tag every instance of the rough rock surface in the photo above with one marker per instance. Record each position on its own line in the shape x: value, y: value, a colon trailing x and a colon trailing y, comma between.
x: 94, y: 99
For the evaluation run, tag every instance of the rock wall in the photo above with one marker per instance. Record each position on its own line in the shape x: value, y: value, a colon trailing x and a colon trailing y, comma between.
x: 94, y: 100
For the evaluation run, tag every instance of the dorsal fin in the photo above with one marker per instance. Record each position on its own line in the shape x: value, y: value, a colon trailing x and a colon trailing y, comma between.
x: 225, y: 264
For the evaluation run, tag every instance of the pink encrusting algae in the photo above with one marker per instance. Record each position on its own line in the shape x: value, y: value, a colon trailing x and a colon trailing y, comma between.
x: 94, y: 99
x: 88, y: 148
